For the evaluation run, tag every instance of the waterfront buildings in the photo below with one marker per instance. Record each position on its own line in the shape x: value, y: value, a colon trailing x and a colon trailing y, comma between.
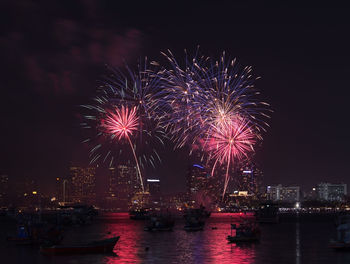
x: 283, y: 193
x: 331, y: 192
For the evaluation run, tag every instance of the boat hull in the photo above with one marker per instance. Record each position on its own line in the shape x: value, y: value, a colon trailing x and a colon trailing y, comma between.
x: 234, y: 239
x: 193, y: 228
x: 103, y: 246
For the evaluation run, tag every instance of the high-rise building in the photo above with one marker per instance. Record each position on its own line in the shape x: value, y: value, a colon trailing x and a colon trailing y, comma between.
x: 153, y: 187
x: 112, y: 183
x: 197, y: 179
x: 331, y: 192
x: 82, y: 185
x: 128, y: 184
x: 248, y: 179
x: 283, y: 193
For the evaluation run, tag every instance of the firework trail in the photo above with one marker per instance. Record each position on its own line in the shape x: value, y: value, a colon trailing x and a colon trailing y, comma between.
x: 125, y: 113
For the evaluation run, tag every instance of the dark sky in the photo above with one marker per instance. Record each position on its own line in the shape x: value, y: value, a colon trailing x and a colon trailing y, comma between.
x: 53, y: 52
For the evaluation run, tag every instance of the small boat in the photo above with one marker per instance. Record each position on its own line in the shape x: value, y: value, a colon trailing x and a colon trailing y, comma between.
x: 162, y: 222
x: 199, y: 212
x: 245, y: 232
x: 194, y: 220
x: 140, y: 214
x: 101, y: 246
x: 193, y: 228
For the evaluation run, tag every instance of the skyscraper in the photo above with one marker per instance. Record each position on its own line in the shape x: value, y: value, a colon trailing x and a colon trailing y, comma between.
x: 153, y: 187
x: 82, y: 185
x: 197, y: 179
x: 248, y: 179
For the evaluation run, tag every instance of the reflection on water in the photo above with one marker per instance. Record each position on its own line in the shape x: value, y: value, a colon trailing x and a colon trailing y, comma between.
x: 291, y: 241
x: 179, y: 246
x: 297, y: 242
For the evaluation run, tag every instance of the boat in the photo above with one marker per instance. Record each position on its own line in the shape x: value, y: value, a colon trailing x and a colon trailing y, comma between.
x: 245, y: 232
x: 194, y: 227
x: 194, y: 220
x: 100, y: 246
x: 160, y: 222
x: 139, y: 214
x: 201, y: 212
x: 342, y: 242
x: 268, y: 213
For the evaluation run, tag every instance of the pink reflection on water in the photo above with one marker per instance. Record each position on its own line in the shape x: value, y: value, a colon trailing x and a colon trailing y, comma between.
x: 130, y: 233
x: 220, y: 251
x: 179, y: 246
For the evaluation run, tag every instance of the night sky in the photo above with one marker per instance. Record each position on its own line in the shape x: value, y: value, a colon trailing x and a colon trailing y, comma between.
x: 54, y: 52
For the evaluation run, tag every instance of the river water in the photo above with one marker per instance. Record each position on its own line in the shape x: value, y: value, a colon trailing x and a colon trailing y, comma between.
x: 294, y: 240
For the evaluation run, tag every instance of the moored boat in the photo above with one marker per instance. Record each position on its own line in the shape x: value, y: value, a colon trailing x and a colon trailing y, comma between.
x: 139, y: 214
x: 245, y: 232
x: 161, y: 222
x: 194, y: 227
x: 100, y: 246
x: 194, y: 220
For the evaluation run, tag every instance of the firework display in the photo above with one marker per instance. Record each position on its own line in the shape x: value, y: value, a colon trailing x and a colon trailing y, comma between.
x: 210, y: 106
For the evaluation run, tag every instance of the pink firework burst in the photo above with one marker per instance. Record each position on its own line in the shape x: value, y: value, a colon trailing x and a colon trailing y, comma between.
x: 121, y: 123
x: 230, y: 141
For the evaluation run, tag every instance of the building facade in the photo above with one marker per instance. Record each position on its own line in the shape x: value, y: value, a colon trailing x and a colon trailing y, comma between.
x: 331, y: 192
x: 80, y: 187
x: 283, y: 193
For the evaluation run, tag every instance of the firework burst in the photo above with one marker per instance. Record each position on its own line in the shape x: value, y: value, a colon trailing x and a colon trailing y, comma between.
x: 125, y: 113
x: 214, y: 103
x: 230, y: 141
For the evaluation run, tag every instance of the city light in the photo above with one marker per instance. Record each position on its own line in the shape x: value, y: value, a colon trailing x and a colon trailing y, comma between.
x: 34, y: 192
x: 153, y: 180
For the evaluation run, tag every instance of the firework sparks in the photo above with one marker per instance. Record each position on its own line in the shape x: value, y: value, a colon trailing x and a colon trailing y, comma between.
x: 214, y: 102
x: 122, y: 124
x: 211, y: 106
x: 125, y: 113
x: 229, y: 141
